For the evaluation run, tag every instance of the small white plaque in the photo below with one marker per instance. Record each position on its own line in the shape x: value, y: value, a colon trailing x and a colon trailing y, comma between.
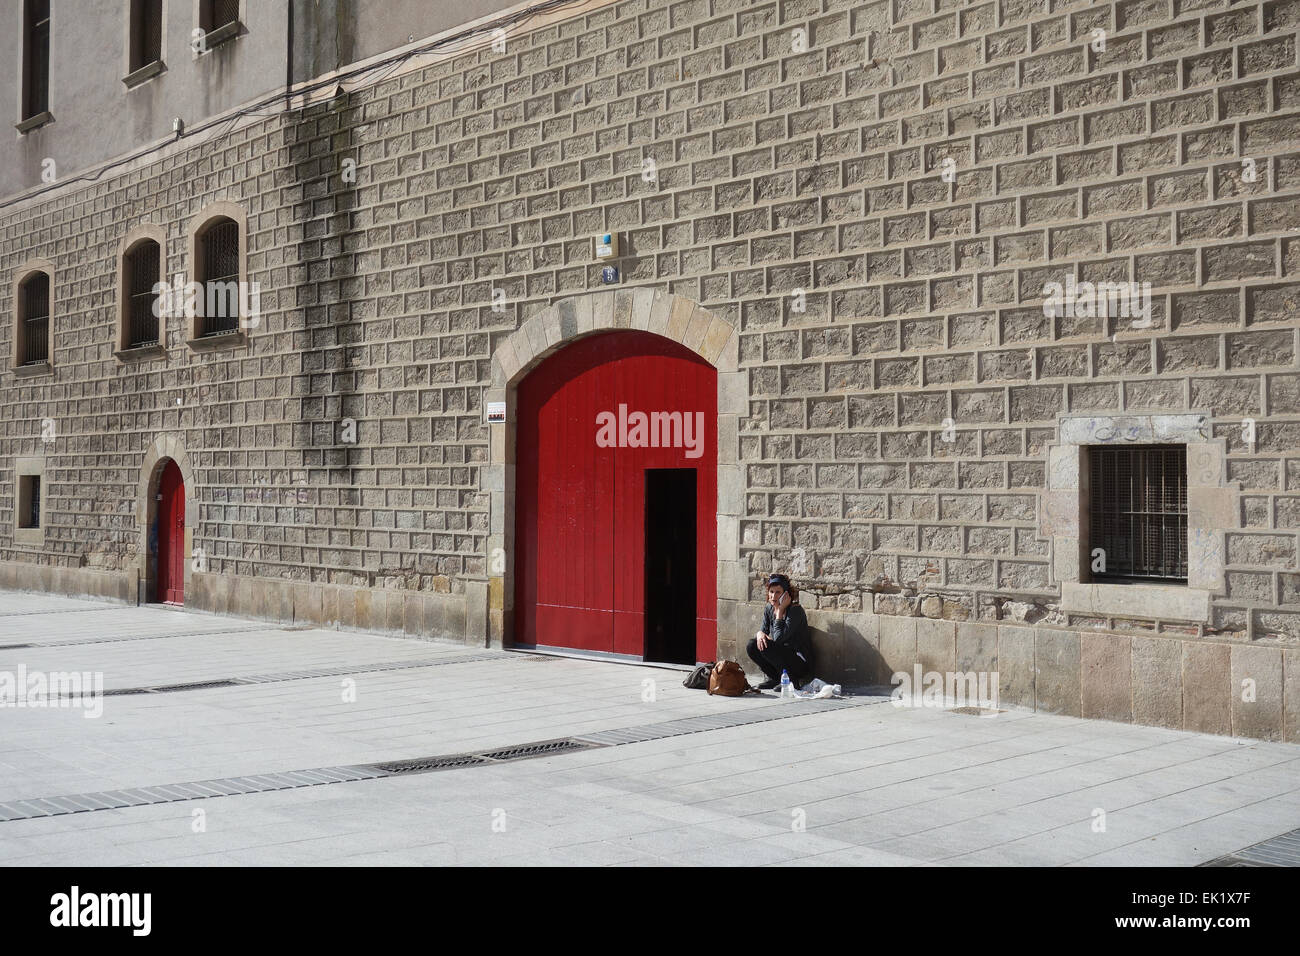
x: 496, y: 412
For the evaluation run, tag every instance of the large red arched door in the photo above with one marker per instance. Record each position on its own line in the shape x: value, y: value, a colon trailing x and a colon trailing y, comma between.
x: 171, y: 536
x: 616, y: 514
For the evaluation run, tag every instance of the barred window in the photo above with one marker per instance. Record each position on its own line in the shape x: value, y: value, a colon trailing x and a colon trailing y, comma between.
x: 146, y: 33
x: 34, y: 319
x: 219, y: 275
x: 142, y: 275
x: 36, y: 57
x: 29, y: 501
x: 1138, y: 518
x: 215, y: 14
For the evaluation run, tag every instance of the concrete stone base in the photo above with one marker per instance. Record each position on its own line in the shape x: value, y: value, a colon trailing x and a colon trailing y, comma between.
x: 119, y: 586
x: 400, y: 613
x: 414, y: 614
x: 1197, y: 684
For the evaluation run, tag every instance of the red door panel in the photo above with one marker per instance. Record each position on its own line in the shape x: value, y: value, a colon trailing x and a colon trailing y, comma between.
x: 580, y: 507
x: 171, y: 536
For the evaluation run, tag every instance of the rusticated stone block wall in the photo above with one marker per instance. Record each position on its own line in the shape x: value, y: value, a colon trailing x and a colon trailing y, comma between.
x: 782, y: 164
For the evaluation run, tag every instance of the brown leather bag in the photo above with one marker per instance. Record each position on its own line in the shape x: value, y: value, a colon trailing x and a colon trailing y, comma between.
x: 728, y: 680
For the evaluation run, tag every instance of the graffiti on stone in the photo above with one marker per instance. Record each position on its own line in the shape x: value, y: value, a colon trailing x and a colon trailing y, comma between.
x: 1174, y: 429
x: 1203, y: 467
x: 1204, y: 555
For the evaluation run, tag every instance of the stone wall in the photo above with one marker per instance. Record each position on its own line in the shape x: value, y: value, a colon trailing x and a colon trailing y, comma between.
x: 783, y: 165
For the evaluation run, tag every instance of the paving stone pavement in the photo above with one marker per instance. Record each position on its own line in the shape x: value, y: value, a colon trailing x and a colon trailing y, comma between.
x: 865, y: 785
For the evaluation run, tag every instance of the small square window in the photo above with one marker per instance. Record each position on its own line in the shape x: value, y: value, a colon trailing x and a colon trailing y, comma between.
x: 29, y: 501
x: 1138, y: 513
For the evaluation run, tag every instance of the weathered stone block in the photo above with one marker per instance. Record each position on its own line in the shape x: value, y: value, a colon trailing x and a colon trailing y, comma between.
x: 1291, y: 694
x: 897, y: 645
x: 1257, y: 692
x: 1056, y: 672
x: 1157, y: 682
x: 977, y: 650
x: 1106, y: 676
x: 1207, y: 687
x: 1240, y: 261
x: 936, y: 645
x: 1016, y: 666
x: 860, y: 657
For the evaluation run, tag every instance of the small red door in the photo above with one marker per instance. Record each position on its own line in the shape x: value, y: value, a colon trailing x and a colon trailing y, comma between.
x: 171, y: 536
x: 581, y: 490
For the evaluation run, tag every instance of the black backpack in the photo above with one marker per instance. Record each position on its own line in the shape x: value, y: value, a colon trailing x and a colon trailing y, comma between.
x: 698, y: 679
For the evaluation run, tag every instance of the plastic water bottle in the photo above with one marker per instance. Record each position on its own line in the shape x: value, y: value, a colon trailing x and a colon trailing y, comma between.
x: 785, y: 684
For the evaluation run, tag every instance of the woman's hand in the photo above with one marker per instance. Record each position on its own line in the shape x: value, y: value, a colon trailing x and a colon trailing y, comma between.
x: 782, y: 604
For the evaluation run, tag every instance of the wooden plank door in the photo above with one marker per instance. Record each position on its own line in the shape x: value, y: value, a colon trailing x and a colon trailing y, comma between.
x: 171, y: 536
x: 580, y: 503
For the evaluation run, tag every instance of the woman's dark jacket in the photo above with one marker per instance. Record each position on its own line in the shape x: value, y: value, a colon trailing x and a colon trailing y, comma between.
x: 791, y: 632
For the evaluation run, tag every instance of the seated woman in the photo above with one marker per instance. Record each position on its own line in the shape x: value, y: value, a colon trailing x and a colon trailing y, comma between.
x: 783, y: 643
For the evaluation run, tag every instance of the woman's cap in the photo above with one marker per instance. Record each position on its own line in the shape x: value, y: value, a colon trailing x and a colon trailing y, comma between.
x: 780, y: 579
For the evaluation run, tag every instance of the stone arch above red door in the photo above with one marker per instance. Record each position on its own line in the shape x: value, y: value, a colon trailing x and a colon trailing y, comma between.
x: 165, y: 448
x: 651, y: 310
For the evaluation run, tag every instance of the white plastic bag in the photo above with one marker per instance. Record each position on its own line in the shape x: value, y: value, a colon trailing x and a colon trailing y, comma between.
x: 817, y: 689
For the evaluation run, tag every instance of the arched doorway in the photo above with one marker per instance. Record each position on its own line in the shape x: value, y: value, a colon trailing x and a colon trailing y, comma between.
x: 616, y: 500
x: 170, y: 536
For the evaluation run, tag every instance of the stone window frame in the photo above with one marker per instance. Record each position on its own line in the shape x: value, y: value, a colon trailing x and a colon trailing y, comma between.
x: 132, y: 75
x: 222, y: 34
x: 124, y: 351
x: 194, y: 233
x: 25, y: 468
x: 1213, y: 508
x: 21, y: 275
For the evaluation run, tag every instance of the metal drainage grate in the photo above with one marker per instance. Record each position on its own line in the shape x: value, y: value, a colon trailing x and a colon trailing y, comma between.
x: 65, y: 610
x: 196, y: 685
x: 77, y: 641
x: 338, y: 671
x: 422, y: 764
x: 1282, y: 850
x: 283, y: 780
x: 176, y: 792
x: 976, y: 711
x: 542, y: 749
x: 721, y: 721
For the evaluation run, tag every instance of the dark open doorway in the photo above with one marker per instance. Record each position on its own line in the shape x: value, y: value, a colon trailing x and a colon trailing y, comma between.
x: 670, y: 565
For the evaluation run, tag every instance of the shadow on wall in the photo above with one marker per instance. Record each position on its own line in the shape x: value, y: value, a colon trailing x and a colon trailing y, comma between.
x: 846, y: 648
x: 844, y: 655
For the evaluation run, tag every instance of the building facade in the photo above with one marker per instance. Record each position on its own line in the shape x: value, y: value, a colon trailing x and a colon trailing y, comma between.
x: 989, y: 310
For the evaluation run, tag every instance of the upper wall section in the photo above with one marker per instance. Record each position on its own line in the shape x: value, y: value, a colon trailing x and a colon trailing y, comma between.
x: 98, y: 119
x: 330, y: 34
